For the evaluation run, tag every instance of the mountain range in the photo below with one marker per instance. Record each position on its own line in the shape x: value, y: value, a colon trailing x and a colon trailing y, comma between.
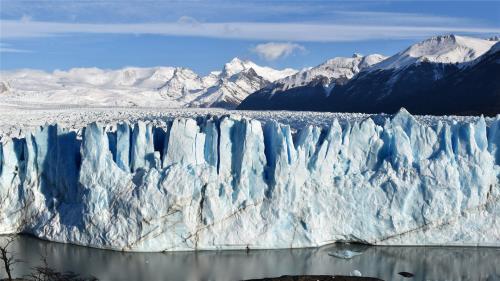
x: 446, y: 74
x: 171, y: 87
x: 441, y: 75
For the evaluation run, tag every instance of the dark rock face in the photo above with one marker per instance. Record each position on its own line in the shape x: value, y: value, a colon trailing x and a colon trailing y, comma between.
x: 308, y: 97
x: 423, y: 88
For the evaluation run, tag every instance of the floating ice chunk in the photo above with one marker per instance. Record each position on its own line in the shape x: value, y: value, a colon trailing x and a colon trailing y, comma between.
x: 344, y: 254
x: 355, y: 273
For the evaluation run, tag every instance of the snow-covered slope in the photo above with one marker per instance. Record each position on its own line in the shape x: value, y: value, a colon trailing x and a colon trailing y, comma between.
x: 309, y: 84
x: 132, y: 86
x: 237, y: 65
x: 446, y: 49
x: 235, y: 82
x: 230, y: 182
x: 329, y: 72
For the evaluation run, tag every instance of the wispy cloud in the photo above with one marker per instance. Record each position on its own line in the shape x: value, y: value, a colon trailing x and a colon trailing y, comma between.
x: 273, y: 50
x: 187, y: 20
x: 289, y: 31
x: 398, y: 18
x: 7, y: 48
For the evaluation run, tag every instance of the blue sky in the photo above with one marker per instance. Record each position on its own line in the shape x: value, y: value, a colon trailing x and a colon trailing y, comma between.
x: 203, y: 35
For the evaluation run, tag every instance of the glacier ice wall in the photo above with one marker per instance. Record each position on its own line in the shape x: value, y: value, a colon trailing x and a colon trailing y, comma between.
x: 229, y: 182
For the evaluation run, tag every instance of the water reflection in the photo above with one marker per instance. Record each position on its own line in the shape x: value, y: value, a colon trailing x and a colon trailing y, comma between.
x: 427, y: 263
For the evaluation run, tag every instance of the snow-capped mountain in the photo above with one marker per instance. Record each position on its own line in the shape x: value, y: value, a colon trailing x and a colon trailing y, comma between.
x: 226, y: 88
x: 309, y: 82
x: 409, y: 79
x: 447, y: 49
x: 181, y: 85
x: 332, y: 71
x: 133, y: 86
x: 236, y: 65
x: 87, y: 87
x: 413, y: 79
x: 328, y: 74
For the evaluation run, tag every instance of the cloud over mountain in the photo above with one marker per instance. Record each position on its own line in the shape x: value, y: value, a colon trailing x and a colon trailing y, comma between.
x: 273, y: 50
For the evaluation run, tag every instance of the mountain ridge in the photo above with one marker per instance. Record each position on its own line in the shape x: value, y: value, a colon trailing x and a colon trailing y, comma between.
x: 147, y: 86
x: 413, y: 78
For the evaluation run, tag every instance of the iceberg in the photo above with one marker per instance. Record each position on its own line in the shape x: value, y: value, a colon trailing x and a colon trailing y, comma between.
x: 236, y: 183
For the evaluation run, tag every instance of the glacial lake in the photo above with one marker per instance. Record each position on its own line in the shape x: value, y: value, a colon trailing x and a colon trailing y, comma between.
x: 426, y: 263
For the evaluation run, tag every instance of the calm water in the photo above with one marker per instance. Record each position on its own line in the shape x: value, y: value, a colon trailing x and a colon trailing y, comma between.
x: 427, y: 263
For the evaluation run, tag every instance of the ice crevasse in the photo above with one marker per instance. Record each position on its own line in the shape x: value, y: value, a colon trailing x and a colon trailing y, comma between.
x: 234, y: 183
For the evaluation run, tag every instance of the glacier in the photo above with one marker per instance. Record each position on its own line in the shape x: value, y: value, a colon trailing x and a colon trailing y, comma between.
x: 230, y: 182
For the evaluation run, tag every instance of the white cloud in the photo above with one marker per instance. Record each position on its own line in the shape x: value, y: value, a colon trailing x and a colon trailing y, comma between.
x: 12, y: 50
x: 269, y: 31
x: 186, y: 20
x: 272, y: 50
